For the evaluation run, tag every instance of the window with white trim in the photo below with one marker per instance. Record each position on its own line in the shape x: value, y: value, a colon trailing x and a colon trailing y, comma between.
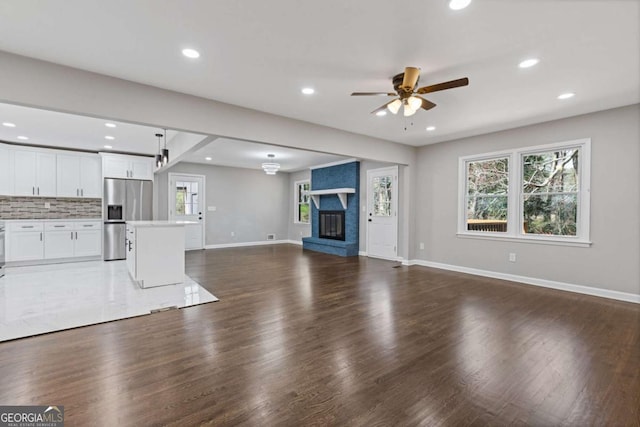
x: 302, y: 210
x: 534, y: 193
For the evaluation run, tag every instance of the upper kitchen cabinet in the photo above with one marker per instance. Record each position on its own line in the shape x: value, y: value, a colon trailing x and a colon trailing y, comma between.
x: 34, y: 173
x: 79, y: 175
x: 127, y: 167
x: 6, y: 175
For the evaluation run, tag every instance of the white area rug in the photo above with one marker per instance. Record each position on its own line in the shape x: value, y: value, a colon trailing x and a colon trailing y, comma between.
x: 46, y: 298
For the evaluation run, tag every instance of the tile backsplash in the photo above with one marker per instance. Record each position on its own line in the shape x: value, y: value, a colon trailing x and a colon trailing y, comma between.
x: 59, y: 208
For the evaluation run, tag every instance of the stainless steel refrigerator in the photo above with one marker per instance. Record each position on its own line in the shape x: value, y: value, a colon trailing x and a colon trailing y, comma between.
x: 123, y: 200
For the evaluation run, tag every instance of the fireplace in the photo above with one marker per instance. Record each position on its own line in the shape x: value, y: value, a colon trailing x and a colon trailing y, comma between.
x: 331, y: 225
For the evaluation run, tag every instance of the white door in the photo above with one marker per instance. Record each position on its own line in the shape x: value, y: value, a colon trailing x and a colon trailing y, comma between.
x: 46, y: 174
x: 24, y: 173
x: 186, y: 203
x: 91, y: 176
x: 87, y: 243
x: 58, y: 244
x: 5, y: 172
x: 382, y: 213
x: 115, y: 167
x: 142, y: 168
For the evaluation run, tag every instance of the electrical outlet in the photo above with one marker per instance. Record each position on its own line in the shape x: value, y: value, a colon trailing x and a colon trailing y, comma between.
x: 512, y: 257
x: 211, y: 208
x: 233, y: 233
x: 47, y: 205
x: 421, y: 246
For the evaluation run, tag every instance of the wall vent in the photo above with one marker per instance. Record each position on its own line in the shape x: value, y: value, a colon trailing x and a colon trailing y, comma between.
x: 271, y: 237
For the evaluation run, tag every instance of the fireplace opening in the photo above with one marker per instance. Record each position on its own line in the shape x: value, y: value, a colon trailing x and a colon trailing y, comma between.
x: 332, y: 225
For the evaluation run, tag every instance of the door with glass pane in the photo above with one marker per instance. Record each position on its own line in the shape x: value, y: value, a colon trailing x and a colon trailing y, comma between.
x: 186, y: 203
x: 382, y: 213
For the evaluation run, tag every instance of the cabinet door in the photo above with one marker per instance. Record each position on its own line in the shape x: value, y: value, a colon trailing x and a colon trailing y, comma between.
x: 88, y: 243
x: 24, y: 176
x: 26, y: 246
x: 6, y: 189
x: 142, y: 168
x: 58, y: 244
x: 68, y: 173
x: 91, y: 176
x: 46, y: 174
x: 131, y: 252
x: 115, y: 167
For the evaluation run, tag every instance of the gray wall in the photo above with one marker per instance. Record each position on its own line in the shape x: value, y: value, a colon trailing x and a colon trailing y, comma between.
x: 297, y: 231
x: 612, y: 262
x: 248, y: 202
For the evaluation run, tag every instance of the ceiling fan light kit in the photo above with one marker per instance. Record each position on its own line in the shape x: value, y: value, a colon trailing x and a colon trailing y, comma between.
x: 405, y: 87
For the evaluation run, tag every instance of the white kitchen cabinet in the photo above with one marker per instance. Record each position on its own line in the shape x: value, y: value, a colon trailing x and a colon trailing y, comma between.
x: 79, y: 175
x: 51, y: 240
x: 6, y: 176
x: 34, y: 173
x: 25, y: 241
x: 127, y: 167
x: 88, y: 239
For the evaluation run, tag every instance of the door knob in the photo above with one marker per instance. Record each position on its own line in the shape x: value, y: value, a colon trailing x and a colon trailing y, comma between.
x: 370, y: 220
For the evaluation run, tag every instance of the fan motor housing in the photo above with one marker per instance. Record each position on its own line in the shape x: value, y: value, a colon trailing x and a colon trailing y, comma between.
x: 397, y: 83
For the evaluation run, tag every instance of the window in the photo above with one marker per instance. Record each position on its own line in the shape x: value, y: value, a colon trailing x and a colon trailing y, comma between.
x: 536, y: 193
x: 302, y: 209
x: 382, y: 195
x: 186, y: 198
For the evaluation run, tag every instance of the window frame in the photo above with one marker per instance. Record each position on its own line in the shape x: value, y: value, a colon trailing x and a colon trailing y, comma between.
x: 515, y: 196
x: 297, y: 202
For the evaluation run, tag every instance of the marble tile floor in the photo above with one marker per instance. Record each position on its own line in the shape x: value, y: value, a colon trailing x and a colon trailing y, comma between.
x: 46, y: 298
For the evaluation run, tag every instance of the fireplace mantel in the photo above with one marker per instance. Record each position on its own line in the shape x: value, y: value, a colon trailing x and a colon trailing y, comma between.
x: 340, y: 192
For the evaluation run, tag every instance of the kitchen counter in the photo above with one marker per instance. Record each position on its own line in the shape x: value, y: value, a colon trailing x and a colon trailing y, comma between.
x: 159, y: 223
x: 155, y: 252
x: 51, y: 220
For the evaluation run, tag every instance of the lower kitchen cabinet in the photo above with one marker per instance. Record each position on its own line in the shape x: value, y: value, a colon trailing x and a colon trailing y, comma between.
x: 50, y: 240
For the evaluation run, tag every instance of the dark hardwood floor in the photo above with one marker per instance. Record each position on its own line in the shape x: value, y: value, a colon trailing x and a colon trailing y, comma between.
x: 302, y: 338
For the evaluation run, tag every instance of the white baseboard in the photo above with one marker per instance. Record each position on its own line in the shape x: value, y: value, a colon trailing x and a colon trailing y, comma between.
x: 259, y: 243
x: 362, y: 253
x: 587, y: 290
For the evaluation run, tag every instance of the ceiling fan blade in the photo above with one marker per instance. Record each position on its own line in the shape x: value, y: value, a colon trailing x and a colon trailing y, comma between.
x: 384, y: 107
x: 426, y: 104
x: 443, y: 86
x: 373, y: 94
x: 411, y: 75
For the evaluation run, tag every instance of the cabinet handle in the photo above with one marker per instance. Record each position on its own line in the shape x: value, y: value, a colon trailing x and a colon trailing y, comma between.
x: 82, y: 192
x: 58, y: 226
x: 41, y: 237
x: 72, y: 235
x: 26, y: 226
x: 76, y: 235
x: 33, y: 190
x: 38, y: 191
x: 77, y: 193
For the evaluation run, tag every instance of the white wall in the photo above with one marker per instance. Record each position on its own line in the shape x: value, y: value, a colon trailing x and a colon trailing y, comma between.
x: 248, y: 202
x: 612, y: 262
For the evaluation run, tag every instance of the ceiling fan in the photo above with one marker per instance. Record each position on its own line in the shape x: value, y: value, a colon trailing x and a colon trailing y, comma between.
x: 405, y: 87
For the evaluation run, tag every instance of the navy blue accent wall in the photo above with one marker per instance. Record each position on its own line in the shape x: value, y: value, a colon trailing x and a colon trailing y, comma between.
x: 339, y: 176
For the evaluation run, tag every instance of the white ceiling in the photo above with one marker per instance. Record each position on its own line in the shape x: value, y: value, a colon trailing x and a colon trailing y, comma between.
x: 259, y: 54
x: 244, y: 154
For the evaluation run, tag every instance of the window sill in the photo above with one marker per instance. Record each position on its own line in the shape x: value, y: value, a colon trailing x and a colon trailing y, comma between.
x: 521, y: 239
x: 301, y: 223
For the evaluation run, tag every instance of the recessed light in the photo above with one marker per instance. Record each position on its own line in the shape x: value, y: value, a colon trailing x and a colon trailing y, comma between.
x: 110, y: 125
x: 566, y: 95
x: 459, y: 4
x: 528, y: 63
x: 207, y: 158
x: 430, y: 128
x: 9, y: 125
x: 308, y: 91
x: 109, y: 137
x: 191, y: 53
x: 381, y: 113
x: 24, y: 138
x: 108, y: 147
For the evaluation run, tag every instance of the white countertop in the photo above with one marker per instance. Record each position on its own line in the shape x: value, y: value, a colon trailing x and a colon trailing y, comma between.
x: 160, y: 223
x: 51, y: 219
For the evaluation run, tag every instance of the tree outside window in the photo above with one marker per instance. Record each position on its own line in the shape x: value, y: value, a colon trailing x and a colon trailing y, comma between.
x: 302, y: 202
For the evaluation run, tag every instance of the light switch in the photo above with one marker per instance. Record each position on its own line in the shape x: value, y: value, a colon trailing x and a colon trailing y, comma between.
x: 211, y: 208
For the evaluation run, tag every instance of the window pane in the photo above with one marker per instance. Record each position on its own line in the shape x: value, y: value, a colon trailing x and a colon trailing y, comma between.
x: 487, y: 213
x: 303, y: 212
x: 382, y: 195
x: 550, y: 172
x: 488, y: 177
x: 551, y: 214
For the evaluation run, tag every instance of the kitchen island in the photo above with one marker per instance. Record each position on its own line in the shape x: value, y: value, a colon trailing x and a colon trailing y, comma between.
x: 155, y: 252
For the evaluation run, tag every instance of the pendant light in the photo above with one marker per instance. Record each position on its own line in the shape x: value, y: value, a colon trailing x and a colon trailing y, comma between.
x: 165, y: 150
x: 270, y: 167
x: 159, y: 153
